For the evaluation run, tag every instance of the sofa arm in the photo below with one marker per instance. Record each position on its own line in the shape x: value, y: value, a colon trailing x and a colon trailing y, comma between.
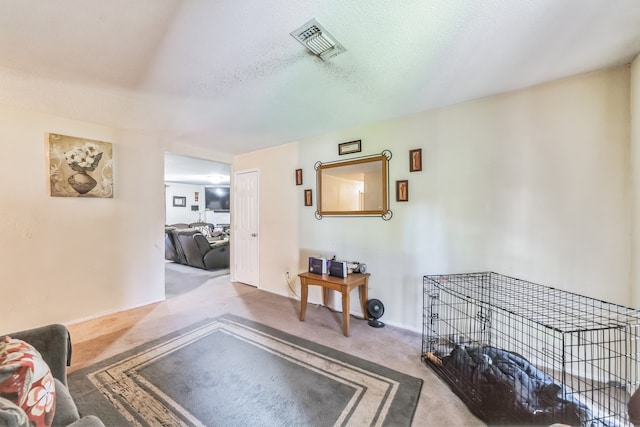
x: 53, y: 343
x: 217, y: 257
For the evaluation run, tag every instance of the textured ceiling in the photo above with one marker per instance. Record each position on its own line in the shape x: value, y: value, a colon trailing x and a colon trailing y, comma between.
x: 226, y: 74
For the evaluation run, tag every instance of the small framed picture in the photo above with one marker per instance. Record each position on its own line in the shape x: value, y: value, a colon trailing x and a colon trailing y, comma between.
x: 350, y: 147
x: 308, y: 197
x: 179, y: 201
x: 402, y: 191
x: 415, y: 160
x: 298, y: 176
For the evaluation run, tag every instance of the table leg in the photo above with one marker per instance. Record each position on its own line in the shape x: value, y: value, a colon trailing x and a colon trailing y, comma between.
x: 346, y: 317
x: 304, y: 293
x: 364, y: 296
x: 325, y: 296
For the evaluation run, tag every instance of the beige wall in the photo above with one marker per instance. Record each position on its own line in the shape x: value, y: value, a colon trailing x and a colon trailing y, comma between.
x: 63, y: 259
x: 278, y: 216
x: 533, y: 184
x: 635, y: 179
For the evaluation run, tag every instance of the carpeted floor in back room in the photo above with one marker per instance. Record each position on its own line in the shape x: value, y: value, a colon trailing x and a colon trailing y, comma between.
x: 195, y: 295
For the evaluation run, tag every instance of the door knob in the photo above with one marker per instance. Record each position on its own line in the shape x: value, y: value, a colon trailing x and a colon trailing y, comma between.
x: 253, y: 234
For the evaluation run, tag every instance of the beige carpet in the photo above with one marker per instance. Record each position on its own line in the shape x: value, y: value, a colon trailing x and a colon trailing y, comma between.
x: 398, y: 349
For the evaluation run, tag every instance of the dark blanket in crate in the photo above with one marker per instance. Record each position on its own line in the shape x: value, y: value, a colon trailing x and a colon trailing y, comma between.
x: 507, y: 389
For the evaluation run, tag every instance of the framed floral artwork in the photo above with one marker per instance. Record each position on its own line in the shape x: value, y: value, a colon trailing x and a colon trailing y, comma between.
x: 80, y: 167
x: 308, y: 198
x: 298, y: 176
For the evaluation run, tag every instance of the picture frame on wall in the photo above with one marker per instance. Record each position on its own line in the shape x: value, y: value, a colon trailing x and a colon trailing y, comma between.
x: 415, y: 160
x: 350, y: 147
x: 80, y: 167
x: 402, y: 191
x: 179, y: 201
x: 298, y: 176
x: 308, y: 197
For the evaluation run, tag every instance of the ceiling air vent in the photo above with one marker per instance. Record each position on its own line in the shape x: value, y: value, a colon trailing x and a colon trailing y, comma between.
x: 318, y: 40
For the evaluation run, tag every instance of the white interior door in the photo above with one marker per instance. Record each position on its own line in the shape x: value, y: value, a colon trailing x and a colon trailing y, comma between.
x: 246, y: 239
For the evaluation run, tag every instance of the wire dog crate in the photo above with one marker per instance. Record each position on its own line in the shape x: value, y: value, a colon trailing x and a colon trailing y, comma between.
x: 521, y: 353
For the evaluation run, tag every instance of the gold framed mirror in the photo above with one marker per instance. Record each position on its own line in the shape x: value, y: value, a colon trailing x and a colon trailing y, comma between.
x: 354, y: 187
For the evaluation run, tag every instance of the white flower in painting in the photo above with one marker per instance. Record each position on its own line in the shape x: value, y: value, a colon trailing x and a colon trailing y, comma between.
x: 84, y: 158
x: 88, y: 161
x: 91, y: 148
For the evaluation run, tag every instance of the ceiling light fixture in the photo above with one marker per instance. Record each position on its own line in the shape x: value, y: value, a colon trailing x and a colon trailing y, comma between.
x: 215, y: 179
x: 318, y: 40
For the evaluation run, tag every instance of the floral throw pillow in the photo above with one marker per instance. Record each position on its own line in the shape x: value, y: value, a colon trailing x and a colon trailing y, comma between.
x: 26, y: 380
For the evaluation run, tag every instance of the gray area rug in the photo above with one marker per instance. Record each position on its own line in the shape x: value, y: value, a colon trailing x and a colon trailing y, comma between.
x: 231, y: 371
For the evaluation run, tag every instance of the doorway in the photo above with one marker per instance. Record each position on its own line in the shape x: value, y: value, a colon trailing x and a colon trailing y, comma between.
x: 197, y: 195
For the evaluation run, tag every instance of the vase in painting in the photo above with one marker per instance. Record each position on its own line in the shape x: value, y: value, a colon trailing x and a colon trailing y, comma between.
x: 82, y: 182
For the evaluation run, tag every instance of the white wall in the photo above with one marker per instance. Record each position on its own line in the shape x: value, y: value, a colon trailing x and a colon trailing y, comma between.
x: 64, y: 259
x: 533, y: 184
x: 185, y: 214
x: 178, y: 214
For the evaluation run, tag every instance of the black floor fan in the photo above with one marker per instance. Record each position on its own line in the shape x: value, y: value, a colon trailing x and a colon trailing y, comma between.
x: 375, y: 310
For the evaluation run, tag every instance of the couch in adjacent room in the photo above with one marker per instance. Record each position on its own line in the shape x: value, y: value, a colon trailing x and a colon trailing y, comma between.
x: 53, y: 344
x: 190, y: 247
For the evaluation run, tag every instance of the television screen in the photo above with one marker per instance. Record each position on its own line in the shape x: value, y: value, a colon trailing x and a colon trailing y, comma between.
x: 216, y: 198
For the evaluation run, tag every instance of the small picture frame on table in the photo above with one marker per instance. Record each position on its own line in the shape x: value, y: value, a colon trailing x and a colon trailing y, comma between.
x: 298, y: 176
x: 402, y: 191
x: 308, y: 197
x: 350, y: 147
x: 415, y: 160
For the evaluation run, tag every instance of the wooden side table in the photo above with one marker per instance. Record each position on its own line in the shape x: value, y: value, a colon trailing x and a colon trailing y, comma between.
x: 345, y: 286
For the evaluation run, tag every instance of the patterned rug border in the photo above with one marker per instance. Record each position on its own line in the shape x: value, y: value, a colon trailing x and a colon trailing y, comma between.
x: 401, y: 408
